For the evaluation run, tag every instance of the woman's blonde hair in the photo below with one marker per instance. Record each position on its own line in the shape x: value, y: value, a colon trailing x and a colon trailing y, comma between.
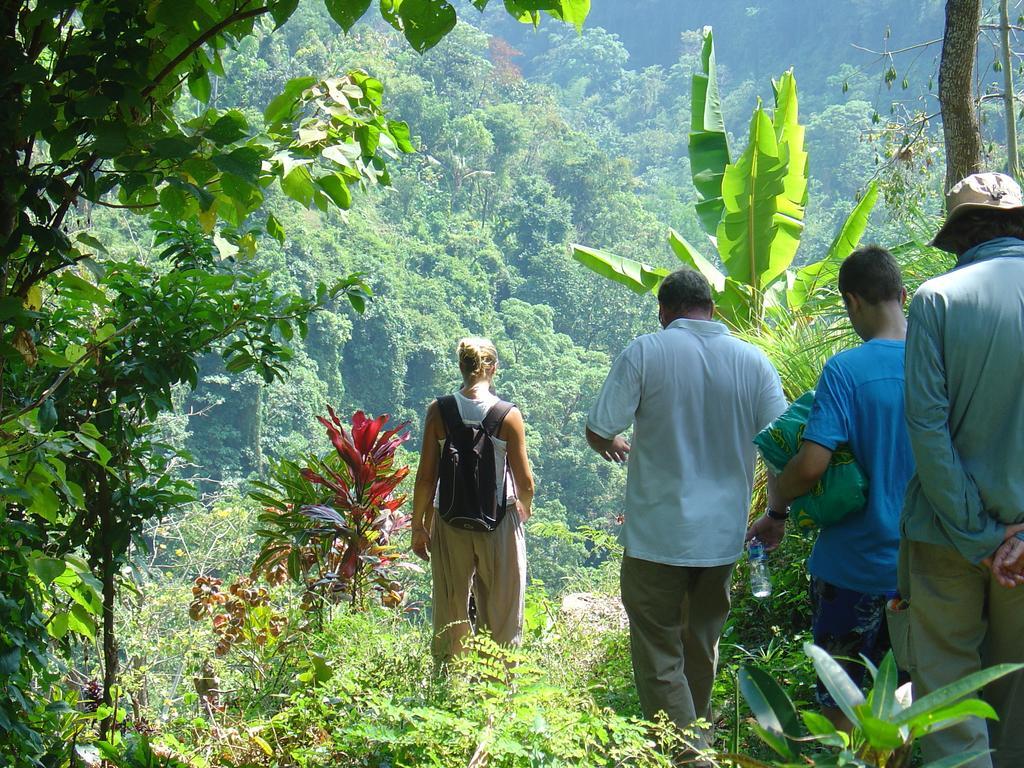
x: 476, y: 356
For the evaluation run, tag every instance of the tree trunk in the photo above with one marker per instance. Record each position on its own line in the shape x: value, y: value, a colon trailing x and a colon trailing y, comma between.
x: 956, y: 90
x: 108, y: 566
x: 11, y: 107
x: 1009, y: 102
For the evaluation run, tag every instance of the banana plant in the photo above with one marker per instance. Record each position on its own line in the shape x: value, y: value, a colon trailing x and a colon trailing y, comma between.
x: 752, y: 209
x: 886, y: 722
x: 708, y: 142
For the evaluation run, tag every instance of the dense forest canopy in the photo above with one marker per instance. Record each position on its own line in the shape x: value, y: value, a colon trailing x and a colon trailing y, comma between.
x: 234, y: 229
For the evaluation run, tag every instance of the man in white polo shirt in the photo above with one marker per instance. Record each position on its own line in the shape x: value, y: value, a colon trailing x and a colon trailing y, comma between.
x: 696, y: 396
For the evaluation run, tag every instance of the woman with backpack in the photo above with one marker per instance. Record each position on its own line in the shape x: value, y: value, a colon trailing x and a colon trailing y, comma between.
x: 473, y: 493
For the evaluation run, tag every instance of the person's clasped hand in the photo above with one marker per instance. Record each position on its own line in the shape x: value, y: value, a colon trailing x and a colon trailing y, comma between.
x: 1007, y: 563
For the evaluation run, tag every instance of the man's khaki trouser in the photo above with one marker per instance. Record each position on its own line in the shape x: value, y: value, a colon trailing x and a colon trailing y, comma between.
x: 962, y: 620
x: 676, y: 615
x: 491, y: 565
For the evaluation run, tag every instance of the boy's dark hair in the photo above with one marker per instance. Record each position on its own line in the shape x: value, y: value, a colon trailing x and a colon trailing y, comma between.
x: 973, y: 228
x: 685, y: 289
x: 871, y: 273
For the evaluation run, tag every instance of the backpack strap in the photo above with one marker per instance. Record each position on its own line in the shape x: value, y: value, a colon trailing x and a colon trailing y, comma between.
x: 449, y: 407
x: 495, y: 417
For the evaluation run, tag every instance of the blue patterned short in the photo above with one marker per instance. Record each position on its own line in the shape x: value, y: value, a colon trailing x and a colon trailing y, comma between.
x: 848, y: 624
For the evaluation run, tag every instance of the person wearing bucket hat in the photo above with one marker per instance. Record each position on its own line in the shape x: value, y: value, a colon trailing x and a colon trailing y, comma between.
x: 960, y: 562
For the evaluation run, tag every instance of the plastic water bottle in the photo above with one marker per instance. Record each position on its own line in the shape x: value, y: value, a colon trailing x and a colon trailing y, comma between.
x: 760, y: 579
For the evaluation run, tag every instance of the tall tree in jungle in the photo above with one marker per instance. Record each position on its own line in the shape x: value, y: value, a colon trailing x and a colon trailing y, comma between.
x: 960, y: 129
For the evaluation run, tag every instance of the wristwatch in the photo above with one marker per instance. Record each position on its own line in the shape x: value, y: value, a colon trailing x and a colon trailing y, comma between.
x: 776, y: 515
x: 1020, y: 535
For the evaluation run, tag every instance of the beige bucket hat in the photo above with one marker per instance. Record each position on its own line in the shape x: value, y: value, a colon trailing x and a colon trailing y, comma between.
x: 979, y: 190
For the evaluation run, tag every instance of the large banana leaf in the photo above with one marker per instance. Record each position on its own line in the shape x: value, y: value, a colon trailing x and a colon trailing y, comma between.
x: 690, y: 256
x: 811, y: 277
x: 751, y: 189
x: 635, y: 275
x: 733, y: 301
x: 793, y: 201
x: 708, y: 143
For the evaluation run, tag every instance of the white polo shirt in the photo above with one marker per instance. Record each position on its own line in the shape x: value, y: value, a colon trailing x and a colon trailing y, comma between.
x: 696, y: 397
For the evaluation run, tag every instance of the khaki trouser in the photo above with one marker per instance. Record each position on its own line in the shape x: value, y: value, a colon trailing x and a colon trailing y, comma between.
x: 491, y: 565
x: 676, y: 615
x: 961, y: 621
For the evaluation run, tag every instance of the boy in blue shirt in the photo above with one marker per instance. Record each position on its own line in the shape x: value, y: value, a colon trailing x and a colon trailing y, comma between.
x: 858, y: 401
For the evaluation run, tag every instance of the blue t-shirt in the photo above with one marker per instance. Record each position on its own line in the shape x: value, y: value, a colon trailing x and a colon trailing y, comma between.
x: 859, y: 401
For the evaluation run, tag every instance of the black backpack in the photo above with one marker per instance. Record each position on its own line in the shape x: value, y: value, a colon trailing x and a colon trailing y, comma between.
x: 472, y: 497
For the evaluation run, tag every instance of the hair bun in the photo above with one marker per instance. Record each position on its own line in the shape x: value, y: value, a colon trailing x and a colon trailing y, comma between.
x: 476, y: 354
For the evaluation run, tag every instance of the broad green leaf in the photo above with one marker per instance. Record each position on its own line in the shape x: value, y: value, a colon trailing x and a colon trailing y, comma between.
x: 102, y: 452
x: 881, y: 734
x: 347, y: 12
x: 776, y: 741
x: 751, y: 188
x: 199, y: 85
x: 298, y: 185
x: 883, y: 693
x: 281, y: 10
x: 46, y: 417
x: 634, y: 275
x: 244, y: 162
x: 57, y: 627
x: 81, y: 622
x: 945, y: 717
x: 573, y: 12
x: 400, y: 133
x: 519, y: 12
x: 45, y: 503
x: 426, y: 22
x: 228, y: 128
x: 845, y: 692
x: 690, y: 256
x: 823, y: 729
x: 274, y: 228
x: 735, y: 304
x: 810, y: 278
x: 47, y: 568
x: 953, y: 692
x: 708, y: 143
x: 772, y: 708
x: 87, y: 239
x: 282, y: 105
x: 336, y: 189
x: 793, y: 201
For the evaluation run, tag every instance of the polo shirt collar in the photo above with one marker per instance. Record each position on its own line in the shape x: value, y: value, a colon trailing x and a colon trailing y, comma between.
x: 703, y: 327
x: 991, y: 249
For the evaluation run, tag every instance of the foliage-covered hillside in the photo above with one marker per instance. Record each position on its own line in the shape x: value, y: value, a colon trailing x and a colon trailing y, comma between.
x: 205, y: 264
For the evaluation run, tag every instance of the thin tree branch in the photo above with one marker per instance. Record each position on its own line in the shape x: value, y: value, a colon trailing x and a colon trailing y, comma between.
x: 925, y: 44
x: 196, y: 44
x: 48, y: 392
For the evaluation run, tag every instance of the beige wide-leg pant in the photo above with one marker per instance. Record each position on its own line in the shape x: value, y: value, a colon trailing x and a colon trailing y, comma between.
x: 962, y: 620
x: 492, y: 566
x: 676, y: 615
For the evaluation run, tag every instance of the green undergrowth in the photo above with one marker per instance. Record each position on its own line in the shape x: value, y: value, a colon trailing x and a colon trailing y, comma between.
x: 565, y: 698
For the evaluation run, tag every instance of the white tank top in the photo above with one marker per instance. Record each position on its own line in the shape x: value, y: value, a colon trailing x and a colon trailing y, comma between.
x: 472, y: 412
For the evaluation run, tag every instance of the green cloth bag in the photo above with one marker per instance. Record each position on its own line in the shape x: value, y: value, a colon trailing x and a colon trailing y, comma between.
x: 843, y: 488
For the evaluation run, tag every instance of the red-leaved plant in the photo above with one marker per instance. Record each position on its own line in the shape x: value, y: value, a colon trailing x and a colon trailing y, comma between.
x: 333, y: 528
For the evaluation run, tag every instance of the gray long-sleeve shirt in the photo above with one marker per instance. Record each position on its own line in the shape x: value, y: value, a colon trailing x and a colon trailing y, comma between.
x: 965, y: 407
